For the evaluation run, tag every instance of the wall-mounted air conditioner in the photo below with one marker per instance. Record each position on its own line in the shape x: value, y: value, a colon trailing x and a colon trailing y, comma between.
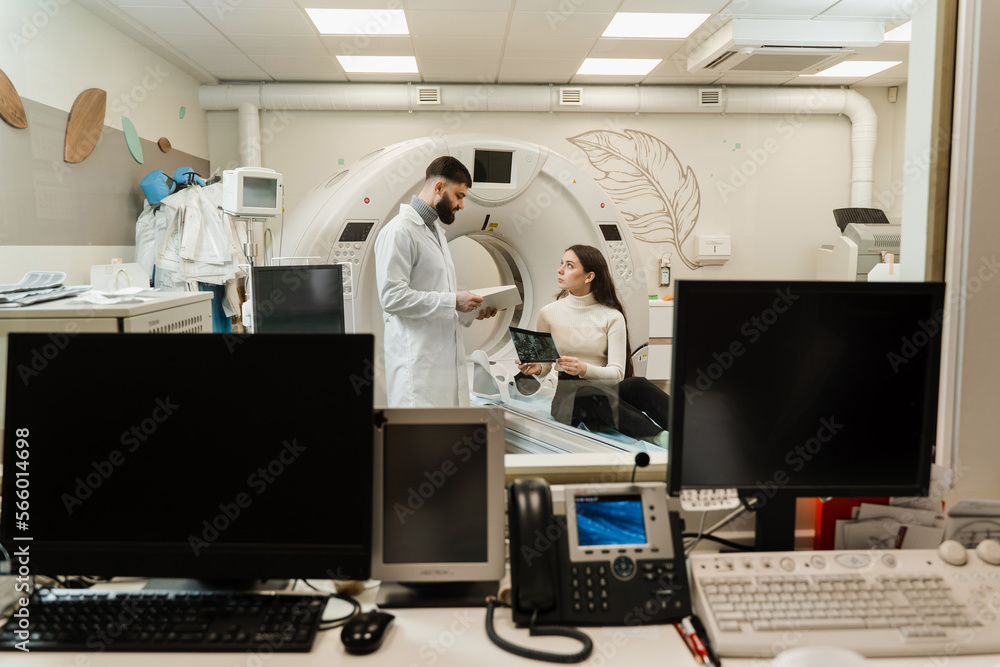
x: 776, y: 45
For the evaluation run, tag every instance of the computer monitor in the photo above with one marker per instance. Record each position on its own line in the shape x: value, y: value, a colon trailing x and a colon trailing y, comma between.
x: 439, y: 505
x: 298, y: 299
x: 200, y: 456
x: 784, y: 389
x: 252, y: 192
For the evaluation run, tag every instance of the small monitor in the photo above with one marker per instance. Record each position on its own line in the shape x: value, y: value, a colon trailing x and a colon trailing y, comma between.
x: 783, y: 389
x: 495, y: 167
x: 252, y: 192
x: 298, y: 299
x: 439, y: 504
x: 196, y: 456
x: 610, y: 231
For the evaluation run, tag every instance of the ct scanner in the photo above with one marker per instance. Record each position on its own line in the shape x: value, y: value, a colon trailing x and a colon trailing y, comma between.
x: 526, y: 205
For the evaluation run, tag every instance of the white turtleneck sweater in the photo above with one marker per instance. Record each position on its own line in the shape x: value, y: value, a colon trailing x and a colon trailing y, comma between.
x: 589, y: 331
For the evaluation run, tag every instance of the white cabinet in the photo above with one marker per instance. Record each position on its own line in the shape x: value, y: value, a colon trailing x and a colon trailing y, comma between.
x: 661, y: 332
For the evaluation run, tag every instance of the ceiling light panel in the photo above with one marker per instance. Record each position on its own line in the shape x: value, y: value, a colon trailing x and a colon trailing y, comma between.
x: 900, y: 34
x: 654, y: 25
x: 358, y: 21
x: 857, y: 68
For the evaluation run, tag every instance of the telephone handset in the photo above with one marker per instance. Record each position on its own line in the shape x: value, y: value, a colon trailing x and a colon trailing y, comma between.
x: 605, y: 554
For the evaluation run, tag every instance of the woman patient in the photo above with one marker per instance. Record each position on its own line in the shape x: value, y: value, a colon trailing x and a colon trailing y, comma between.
x: 596, y: 384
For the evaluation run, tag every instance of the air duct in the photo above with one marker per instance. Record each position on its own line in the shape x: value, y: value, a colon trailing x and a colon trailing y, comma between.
x: 798, y: 102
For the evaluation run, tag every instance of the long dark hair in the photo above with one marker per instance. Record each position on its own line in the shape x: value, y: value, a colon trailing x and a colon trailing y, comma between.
x: 603, y: 289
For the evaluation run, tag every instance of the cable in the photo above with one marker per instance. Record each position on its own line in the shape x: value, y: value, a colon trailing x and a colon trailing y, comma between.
x: 330, y: 624
x: 720, y: 540
x: 751, y: 504
x: 533, y: 654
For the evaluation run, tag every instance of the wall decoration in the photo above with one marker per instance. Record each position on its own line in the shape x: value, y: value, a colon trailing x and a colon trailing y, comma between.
x: 164, y: 144
x: 11, y: 109
x: 658, y: 197
x: 132, y: 139
x: 84, y: 125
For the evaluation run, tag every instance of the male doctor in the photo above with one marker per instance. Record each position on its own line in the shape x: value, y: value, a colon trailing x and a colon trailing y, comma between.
x: 424, y: 352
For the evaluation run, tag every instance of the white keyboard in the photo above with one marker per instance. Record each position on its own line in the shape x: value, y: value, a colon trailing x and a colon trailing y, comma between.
x: 703, y: 500
x: 878, y: 603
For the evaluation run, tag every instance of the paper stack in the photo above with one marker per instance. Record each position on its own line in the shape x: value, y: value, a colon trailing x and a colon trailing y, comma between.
x: 890, y: 527
x: 504, y: 296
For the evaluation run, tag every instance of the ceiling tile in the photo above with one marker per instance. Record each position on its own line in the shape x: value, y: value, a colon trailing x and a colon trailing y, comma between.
x: 458, y: 48
x: 549, y: 25
x: 779, y: 8
x: 293, y: 68
x: 679, y: 80
x: 170, y: 19
x: 756, y: 79
x: 557, y: 47
x: 886, y: 51
x: 466, y: 24
x: 635, y: 48
x: 262, y: 22
x: 279, y: 45
x: 433, y: 68
x: 149, y: 3
x: 674, y: 6
x: 200, y: 43
x: 449, y: 5
x: 235, y: 68
x: 559, y: 68
x: 230, y: 6
x: 567, y: 7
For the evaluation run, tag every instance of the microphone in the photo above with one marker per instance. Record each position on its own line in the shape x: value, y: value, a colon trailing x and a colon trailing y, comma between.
x: 641, y: 461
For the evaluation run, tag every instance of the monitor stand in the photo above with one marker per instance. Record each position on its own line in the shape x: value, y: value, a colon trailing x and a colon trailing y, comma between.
x: 245, y: 585
x: 775, y: 524
x: 451, y: 594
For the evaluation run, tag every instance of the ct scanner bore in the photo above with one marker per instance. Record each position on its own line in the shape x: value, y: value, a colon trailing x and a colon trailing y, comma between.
x: 527, y: 204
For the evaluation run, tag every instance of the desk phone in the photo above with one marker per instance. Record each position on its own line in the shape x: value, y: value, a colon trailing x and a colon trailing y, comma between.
x: 605, y: 554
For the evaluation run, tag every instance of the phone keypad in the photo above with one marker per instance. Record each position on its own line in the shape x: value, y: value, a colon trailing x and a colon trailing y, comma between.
x: 589, y: 588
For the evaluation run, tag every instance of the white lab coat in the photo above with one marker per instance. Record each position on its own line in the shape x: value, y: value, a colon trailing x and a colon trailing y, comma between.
x: 423, y: 347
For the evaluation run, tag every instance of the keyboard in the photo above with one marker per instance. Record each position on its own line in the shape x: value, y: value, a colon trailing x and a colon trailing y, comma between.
x: 88, y: 620
x: 878, y: 603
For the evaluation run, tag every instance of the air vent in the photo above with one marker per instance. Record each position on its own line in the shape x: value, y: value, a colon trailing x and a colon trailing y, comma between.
x: 715, y: 64
x: 710, y: 97
x: 429, y: 95
x: 571, y: 96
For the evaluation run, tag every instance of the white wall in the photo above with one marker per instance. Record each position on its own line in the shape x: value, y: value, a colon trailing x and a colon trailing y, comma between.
x: 52, y: 51
x: 974, y: 256
x: 769, y: 181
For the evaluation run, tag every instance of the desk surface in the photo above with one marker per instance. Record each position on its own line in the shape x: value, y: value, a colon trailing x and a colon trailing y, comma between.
x: 454, y: 638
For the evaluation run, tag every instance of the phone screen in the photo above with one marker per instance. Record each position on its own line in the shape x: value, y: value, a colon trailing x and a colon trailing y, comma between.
x: 610, y: 520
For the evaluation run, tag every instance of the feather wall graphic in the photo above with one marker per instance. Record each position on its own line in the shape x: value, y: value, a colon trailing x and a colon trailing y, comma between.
x: 658, y: 197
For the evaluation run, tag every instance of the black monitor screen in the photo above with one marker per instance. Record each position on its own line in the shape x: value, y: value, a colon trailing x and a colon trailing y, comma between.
x: 435, y: 486
x: 190, y: 455
x: 493, y: 167
x: 298, y: 299
x: 805, y: 388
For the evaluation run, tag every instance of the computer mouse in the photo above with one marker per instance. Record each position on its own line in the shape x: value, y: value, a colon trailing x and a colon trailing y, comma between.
x: 819, y: 656
x: 365, y: 632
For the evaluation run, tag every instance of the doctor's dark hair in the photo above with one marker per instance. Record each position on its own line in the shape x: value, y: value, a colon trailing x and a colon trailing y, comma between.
x: 603, y: 289
x: 450, y: 169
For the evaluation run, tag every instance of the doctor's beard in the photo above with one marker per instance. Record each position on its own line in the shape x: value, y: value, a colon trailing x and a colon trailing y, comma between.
x: 445, y: 210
